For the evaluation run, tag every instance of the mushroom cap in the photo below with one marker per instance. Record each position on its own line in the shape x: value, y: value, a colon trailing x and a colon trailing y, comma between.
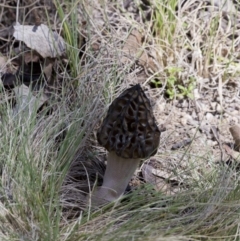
x: 130, y: 129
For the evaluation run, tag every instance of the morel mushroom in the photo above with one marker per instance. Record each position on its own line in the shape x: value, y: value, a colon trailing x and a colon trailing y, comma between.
x: 130, y: 134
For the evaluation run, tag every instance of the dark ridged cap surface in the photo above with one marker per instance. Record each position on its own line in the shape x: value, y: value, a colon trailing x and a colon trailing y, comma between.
x: 129, y: 128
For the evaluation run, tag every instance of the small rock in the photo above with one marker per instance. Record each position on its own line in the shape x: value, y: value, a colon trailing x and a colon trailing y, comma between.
x: 183, y: 121
x: 235, y: 119
x: 235, y: 113
x: 184, y: 104
x: 216, y: 107
x: 194, y: 115
x: 204, y: 107
x: 211, y: 143
x: 193, y: 122
x: 213, y: 105
x: 209, y: 117
x: 168, y: 127
x: 188, y: 117
x: 219, y: 109
x: 205, y: 127
x: 196, y: 94
x: 161, y: 107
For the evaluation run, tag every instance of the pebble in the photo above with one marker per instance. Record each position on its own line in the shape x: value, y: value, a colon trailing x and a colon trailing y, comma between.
x: 205, y: 128
x: 209, y: 117
x: 161, y: 107
x: 185, y: 104
x: 213, y: 105
x: 183, y: 121
x: 196, y: 94
x: 211, y: 143
x: 194, y: 115
x: 216, y: 107
x: 219, y: 109
x: 235, y: 113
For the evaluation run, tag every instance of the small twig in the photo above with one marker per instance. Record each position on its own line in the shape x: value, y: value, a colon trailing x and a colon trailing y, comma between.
x: 217, y: 138
x: 181, y: 144
x: 17, y: 12
x: 18, y: 7
x: 235, y: 132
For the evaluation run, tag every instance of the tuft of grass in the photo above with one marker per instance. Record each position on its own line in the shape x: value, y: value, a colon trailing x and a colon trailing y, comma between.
x: 175, y: 88
x: 165, y: 21
x: 196, y: 41
x: 165, y: 28
x: 37, y: 150
x: 34, y: 164
x: 208, y: 214
x: 71, y: 32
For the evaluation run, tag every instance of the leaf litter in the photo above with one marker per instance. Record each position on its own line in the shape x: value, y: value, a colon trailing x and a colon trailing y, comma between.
x: 212, y: 60
x: 40, y: 38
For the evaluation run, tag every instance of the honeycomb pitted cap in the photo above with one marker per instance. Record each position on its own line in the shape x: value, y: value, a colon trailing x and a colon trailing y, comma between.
x: 130, y: 129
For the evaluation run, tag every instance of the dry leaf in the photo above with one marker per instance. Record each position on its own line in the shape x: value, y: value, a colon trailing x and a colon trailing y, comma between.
x: 26, y: 102
x: 159, y: 181
x: 40, y: 38
x: 133, y: 50
x: 48, y: 67
x: 235, y: 132
x: 234, y: 154
x: 31, y: 57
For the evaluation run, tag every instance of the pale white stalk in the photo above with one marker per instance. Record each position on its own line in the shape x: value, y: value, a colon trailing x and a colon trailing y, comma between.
x: 118, y: 173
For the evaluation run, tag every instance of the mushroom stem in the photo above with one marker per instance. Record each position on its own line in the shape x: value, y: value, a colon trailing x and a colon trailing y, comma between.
x: 116, y: 178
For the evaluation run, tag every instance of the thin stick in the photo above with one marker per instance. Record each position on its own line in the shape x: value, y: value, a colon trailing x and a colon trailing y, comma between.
x: 17, y: 11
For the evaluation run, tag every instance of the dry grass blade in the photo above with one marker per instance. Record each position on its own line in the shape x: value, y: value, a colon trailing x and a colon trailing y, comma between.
x: 186, y: 56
